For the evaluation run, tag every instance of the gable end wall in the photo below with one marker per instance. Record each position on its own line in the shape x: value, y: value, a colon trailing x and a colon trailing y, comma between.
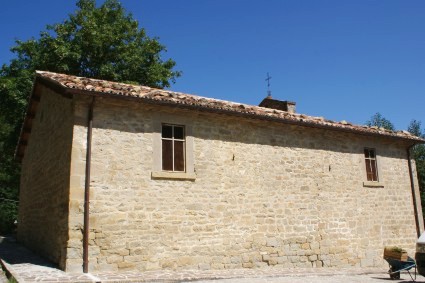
x: 44, y: 189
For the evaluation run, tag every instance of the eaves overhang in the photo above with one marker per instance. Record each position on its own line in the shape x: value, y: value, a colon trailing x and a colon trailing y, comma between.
x: 68, y: 86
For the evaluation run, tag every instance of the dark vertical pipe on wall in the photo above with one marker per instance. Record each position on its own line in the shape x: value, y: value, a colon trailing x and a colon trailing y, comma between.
x: 412, y: 185
x: 87, y: 190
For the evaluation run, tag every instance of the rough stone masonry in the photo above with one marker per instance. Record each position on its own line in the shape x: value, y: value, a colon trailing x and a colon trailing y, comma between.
x: 263, y: 194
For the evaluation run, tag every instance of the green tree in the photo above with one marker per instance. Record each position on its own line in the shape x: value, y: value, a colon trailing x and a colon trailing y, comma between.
x: 380, y: 121
x: 13, y: 93
x: 103, y: 42
x: 419, y: 156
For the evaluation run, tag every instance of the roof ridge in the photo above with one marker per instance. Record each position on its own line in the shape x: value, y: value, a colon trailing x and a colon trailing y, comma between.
x: 104, y: 87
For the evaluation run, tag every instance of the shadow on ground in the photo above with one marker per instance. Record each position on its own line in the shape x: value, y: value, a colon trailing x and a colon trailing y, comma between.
x: 13, y: 253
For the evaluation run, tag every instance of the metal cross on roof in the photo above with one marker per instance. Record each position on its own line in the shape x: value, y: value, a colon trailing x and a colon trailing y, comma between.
x: 268, y: 78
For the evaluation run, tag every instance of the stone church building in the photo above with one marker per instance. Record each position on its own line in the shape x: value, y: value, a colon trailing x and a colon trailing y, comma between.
x: 122, y: 177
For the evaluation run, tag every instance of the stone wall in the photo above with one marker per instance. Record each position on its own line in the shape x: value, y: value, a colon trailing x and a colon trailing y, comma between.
x: 266, y: 194
x: 43, y: 207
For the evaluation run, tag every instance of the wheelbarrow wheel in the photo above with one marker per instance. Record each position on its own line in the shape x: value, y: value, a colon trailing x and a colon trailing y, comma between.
x: 395, y: 275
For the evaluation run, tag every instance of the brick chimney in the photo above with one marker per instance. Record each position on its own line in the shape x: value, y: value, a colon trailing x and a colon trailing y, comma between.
x: 269, y: 102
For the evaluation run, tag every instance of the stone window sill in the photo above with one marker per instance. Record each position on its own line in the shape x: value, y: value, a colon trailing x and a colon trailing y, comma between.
x: 162, y: 175
x: 373, y: 184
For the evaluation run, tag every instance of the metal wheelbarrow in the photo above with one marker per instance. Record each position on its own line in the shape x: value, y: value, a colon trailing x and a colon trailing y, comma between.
x: 398, y: 265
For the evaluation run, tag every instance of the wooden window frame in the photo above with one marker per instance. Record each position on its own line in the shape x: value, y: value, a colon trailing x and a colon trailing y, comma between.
x: 372, y: 174
x: 158, y: 119
x: 173, y: 140
x: 373, y: 178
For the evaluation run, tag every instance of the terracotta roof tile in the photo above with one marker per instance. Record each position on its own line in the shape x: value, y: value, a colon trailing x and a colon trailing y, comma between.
x: 107, y: 88
x: 147, y: 93
x: 87, y: 86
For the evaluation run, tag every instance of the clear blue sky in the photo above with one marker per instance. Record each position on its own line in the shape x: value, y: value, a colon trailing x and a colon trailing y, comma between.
x: 344, y: 60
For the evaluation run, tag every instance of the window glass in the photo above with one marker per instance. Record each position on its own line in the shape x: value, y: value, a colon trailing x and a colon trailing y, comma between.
x: 167, y: 155
x: 371, y: 164
x: 178, y: 133
x: 374, y: 171
x: 178, y: 156
x: 368, y: 170
x: 167, y: 131
x: 173, y: 148
x: 366, y: 153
